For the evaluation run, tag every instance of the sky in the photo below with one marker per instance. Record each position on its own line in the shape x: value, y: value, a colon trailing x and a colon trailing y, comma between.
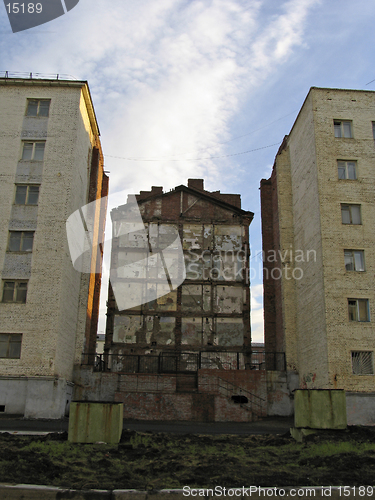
x: 199, y: 89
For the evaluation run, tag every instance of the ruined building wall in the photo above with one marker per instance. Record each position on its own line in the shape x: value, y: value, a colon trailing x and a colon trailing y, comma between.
x: 211, y: 309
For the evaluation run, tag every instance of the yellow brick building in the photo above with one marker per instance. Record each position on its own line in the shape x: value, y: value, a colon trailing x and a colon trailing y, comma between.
x: 318, y: 224
x: 51, y: 165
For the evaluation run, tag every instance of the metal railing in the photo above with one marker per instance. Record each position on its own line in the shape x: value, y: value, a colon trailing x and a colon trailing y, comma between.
x: 33, y: 76
x: 273, y: 361
x: 183, y: 362
x: 248, y: 401
x: 143, y: 363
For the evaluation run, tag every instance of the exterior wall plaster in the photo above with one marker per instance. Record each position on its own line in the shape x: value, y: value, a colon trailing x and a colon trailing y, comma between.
x: 53, y: 321
x: 313, y: 323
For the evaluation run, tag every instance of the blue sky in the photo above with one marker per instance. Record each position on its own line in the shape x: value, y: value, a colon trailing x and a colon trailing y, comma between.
x: 184, y: 88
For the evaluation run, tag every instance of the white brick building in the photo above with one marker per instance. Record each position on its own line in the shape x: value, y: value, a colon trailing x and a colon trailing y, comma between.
x: 318, y: 210
x: 50, y: 166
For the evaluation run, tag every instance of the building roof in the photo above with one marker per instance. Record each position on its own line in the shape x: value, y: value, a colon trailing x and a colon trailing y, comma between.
x: 228, y: 201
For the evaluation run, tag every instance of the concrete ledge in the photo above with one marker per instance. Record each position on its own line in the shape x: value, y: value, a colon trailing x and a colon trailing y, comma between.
x: 300, y: 434
x: 296, y: 492
x: 320, y: 408
x: 33, y: 492
x: 130, y: 495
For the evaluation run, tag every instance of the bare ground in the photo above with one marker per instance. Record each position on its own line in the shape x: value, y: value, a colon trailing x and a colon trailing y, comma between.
x: 148, y: 460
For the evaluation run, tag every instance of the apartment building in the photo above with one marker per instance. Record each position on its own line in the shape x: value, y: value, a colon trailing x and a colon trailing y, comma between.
x: 51, y: 165
x: 318, y: 225
x: 198, y: 316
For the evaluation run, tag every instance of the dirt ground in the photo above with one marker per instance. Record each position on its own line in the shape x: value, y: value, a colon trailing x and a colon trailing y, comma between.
x: 148, y: 460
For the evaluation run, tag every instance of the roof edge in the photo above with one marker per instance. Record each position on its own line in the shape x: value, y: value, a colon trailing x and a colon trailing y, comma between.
x: 205, y: 194
x: 44, y: 82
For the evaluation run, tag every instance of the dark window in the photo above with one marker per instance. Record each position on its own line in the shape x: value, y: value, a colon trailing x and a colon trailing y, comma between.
x: 10, y: 345
x: 27, y: 195
x: 347, y: 170
x: 351, y: 214
x: 33, y: 151
x: 21, y: 241
x: 362, y: 363
x: 240, y: 399
x: 358, y: 310
x: 343, y: 129
x: 14, y: 291
x: 38, y: 107
x: 354, y: 260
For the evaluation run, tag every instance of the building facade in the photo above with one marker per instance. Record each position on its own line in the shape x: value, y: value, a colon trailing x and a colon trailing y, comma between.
x: 51, y: 165
x: 178, y: 339
x: 318, y: 225
x: 197, y: 317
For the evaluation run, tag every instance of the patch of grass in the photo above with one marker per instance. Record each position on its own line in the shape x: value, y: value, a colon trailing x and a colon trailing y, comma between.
x: 333, y: 448
x: 156, y: 461
x: 140, y: 440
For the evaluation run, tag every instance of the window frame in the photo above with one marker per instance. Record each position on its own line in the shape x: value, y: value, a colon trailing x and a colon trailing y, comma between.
x: 353, y: 252
x: 355, y: 359
x: 27, y: 194
x: 38, y: 106
x: 339, y: 125
x: 22, y: 241
x: 345, y: 165
x: 14, y: 339
x: 19, y: 297
x: 350, y: 206
x: 357, y: 310
x: 33, y: 150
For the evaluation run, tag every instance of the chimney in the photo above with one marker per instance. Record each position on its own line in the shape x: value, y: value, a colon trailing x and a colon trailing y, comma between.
x: 196, y: 184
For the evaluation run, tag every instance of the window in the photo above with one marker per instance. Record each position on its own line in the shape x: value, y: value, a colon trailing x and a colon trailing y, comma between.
x: 373, y: 130
x: 21, y: 241
x: 351, y: 214
x: 38, y: 107
x: 358, y: 310
x: 10, y: 345
x: 354, y: 260
x: 15, y: 291
x: 347, y: 170
x: 27, y: 195
x: 33, y: 151
x: 343, y: 129
x: 362, y: 363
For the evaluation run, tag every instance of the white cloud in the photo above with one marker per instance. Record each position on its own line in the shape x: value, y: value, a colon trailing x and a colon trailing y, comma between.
x: 280, y: 37
x: 167, y: 78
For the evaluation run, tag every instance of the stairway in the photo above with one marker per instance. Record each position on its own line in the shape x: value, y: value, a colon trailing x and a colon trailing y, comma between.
x: 242, y: 397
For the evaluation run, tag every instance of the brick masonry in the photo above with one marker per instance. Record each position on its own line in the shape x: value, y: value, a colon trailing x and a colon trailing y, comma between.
x: 205, y: 312
x: 156, y: 397
x: 60, y: 313
x: 301, y: 211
